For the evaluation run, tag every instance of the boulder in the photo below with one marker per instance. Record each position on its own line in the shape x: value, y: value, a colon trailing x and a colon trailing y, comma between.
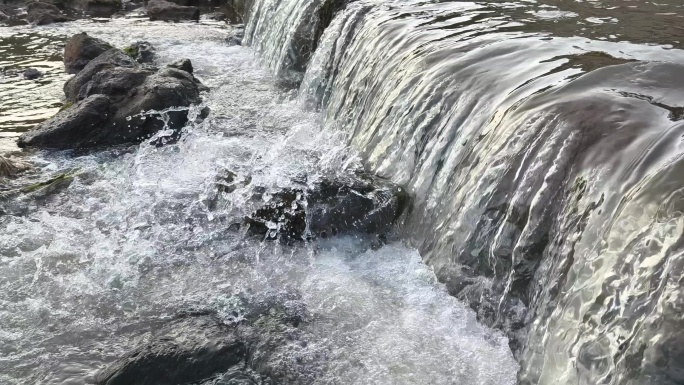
x: 168, y: 11
x: 80, y: 49
x: 108, y: 96
x: 359, y: 203
x: 74, y: 125
x: 107, y: 61
x: 41, y: 13
x: 32, y: 74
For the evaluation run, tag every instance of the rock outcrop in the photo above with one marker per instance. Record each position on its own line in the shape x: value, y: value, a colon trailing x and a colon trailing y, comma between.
x: 115, y: 100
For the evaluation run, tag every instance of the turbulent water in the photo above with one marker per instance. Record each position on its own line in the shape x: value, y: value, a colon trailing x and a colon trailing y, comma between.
x: 89, y: 271
x: 541, y: 143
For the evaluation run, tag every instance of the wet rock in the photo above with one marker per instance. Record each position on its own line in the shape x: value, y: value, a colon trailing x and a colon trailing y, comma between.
x: 32, y: 74
x: 117, y: 89
x: 168, y: 11
x: 80, y: 49
x: 360, y: 203
x: 236, y: 10
x: 110, y: 59
x: 183, y: 65
x: 7, y: 13
x: 141, y: 51
x: 187, y: 350
x: 41, y: 13
x: 81, y: 122
x: 200, y: 345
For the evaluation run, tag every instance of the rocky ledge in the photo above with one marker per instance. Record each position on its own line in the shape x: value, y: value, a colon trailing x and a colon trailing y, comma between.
x: 113, y: 99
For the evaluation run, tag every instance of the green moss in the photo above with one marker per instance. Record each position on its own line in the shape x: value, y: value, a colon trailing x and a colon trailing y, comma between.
x: 50, y: 185
x: 131, y: 51
x: 66, y: 106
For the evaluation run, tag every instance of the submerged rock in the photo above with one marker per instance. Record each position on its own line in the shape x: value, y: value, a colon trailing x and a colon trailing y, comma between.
x: 187, y: 350
x: 198, y: 346
x: 361, y: 203
x: 168, y: 11
x: 80, y: 49
x: 115, y: 100
x: 32, y: 74
x: 42, y: 13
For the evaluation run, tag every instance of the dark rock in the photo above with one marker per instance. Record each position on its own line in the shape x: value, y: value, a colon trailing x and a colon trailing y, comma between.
x: 141, y: 51
x: 118, y: 83
x: 183, y: 65
x: 112, y: 58
x: 168, y: 11
x: 41, y: 13
x: 71, y: 126
x: 117, y: 100
x: 32, y: 74
x: 163, y: 90
x: 236, y: 10
x: 362, y: 204
x: 199, y: 345
x: 7, y: 13
x: 187, y: 350
x: 80, y: 49
x: 129, y: 89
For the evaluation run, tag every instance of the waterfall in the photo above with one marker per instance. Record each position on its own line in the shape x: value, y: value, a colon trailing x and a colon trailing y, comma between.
x: 545, y: 169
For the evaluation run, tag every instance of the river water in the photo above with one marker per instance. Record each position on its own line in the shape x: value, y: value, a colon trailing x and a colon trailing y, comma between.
x: 89, y: 271
x: 540, y: 141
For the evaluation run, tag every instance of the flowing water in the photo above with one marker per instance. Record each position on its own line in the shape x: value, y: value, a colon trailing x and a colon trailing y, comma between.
x: 541, y: 143
x: 88, y: 271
